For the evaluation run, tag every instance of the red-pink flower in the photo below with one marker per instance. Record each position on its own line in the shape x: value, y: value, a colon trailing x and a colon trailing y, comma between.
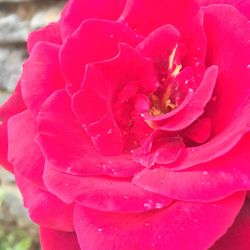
x: 129, y: 127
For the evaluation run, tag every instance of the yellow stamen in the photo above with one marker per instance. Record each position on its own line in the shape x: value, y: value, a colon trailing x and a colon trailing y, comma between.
x: 171, y: 58
x: 177, y: 70
x: 170, y: 105
x: 151, y: 124
x: 166, y: 96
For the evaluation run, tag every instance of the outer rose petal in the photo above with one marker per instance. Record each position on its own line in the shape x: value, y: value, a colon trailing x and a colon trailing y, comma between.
x: 205, y: 182
x: 172, y: 228
x: 11, y: 107
x: 45, y: 208
x: 50, y: 33
x: 41, y: 75
x: 58, y: 240
x: 24, y: 154
x: 77, y: 11
x: 84, y: 46
x: 228, y: 34
x: 65, y: 144
x: 105, y: 194
x: 242, y: 5
x: 237, y: 237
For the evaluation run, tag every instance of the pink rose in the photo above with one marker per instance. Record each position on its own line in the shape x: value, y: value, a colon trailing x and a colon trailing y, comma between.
x: 129, y: 127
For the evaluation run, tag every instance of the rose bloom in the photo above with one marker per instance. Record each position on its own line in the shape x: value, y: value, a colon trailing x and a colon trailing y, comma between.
x: 129, y: 126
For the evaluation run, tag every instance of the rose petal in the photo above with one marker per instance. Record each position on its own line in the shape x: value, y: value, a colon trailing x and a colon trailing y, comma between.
x: 41, y: 75
x: 237, y: 237
x: 195, y: 108
x: 50, y: 33
x: 200, y: 131
x: 98, y: 122
x: 23, y: 153
x: 242, y: 5
x: 53, y: 240
x: 84, y: 46
x: 105, y: 194
x: 228, y: 34
x: 158, y: 149
x: 160, y: 43
x: 146, y: 15
x: 78, y: 11
x: 101, y: 83
x: 172, y: 227
x: 209, y: 181
x: 44, y: 208
x: 11, y: 107
x: 219, y: 144
x: 65, y: 144
x: 114, y: 74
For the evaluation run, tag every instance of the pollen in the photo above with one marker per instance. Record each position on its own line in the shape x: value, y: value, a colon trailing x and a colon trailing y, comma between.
x: 171, y: 58
x: 164, y: 101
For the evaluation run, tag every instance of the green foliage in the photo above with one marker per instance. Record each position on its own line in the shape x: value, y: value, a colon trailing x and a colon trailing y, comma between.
x: 14, y: 240
x: 24, y: 244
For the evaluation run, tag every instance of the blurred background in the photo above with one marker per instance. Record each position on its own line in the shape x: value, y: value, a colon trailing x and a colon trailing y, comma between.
x: 17, y: 19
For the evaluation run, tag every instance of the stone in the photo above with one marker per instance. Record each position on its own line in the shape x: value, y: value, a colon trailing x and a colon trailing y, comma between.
x: 45, y: 16
x: 11, y: 60
x: 13, y: 29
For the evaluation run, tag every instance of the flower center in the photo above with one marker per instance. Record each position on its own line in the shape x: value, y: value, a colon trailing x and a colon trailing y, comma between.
x: 167, y: 96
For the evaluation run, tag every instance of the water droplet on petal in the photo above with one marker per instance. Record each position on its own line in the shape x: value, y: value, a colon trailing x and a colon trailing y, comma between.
x: 125, y: 197
x: 69, y: 169
x: 159, y: 205
x: 197, y: 64
x: 100, y: 229
x: 111, y: 36
x: 248, y: 66
x: 148, y: 205
x: 114, y: 171
x: 205, y: 172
